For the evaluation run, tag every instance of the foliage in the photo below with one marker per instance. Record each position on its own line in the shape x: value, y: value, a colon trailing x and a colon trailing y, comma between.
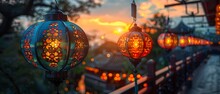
x: 22, y: 73
x: 11, y: 9
x: 17, y: 76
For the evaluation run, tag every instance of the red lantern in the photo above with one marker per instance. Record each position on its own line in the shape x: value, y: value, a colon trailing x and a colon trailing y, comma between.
x: 197, y: 41
x: 217, y: 20
x: 167, y: 41
x: 135, y: 44
x: 183, y: 41
x: 218, y: 8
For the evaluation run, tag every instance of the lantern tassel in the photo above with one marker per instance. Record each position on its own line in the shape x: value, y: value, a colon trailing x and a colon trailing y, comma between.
x: 56, y: 78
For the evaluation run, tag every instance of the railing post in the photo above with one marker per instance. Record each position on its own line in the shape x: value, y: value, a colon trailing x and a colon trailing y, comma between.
x: 173, y: 72
x: 151, y: 70
x: 193, y: 61
x: 197, y: 59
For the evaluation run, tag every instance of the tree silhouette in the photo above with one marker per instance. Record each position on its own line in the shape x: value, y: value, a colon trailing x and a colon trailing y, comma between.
x: 11, y: 9
x: 16, y: 76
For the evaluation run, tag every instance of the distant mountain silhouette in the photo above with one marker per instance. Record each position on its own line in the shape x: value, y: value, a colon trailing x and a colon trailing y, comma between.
x: 107, y: 46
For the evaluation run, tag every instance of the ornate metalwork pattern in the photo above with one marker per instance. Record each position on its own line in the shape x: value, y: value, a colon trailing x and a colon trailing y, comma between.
x: 122, y: 44
x: 80, y: 45
x: 26, y: 46
x: 148, y: 44
x: 27, y: 51
x: 135, y: 44
x: 56, y: 44
x: 51, y: 45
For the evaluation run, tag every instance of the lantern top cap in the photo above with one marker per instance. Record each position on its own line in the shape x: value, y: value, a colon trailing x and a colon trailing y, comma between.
x: 135, y: 28
x: 55, y: 14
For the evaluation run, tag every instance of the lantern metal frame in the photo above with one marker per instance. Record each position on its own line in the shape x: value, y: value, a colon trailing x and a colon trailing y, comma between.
x: 54, y: 45
x: 163, y: 43
x: 127, y: 47
x: 135, y: 42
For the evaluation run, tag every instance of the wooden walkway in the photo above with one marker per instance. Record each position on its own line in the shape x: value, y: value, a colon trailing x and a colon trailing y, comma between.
x: 206, y: 78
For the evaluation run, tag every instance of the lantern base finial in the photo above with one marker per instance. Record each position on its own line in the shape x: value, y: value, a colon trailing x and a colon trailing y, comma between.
x: 56, y: 78
x: 135, y: 62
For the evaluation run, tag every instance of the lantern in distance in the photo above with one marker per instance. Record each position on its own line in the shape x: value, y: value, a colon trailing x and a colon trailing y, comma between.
x: 135, y: 44
x: 217, y: 27
x: 167, y: 40
x: 217, y: 19
x: 193, y: 41
x: 218, y: 8
x: 183, y: 41
x: 190, y: 40
x: 197, y: 41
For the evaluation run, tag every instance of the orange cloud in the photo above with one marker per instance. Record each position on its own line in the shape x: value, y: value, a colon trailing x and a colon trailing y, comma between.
x: 109, y: 26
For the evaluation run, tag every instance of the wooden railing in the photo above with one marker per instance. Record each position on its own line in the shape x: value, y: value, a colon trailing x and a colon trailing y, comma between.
x: 168, y: 79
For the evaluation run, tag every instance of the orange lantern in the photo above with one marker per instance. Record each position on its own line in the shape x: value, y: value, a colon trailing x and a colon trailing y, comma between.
x: 183, y: 41
x: 190, y: 40
x: 218, y: 8
x: 131, y: 78
x: 139, y: 76
x: 124, y: 75
x: 217, y: 20
x: 167, y: 41
x: 197, y: 42
x: 135, y: 44
x: 104, y: 76
x: 110, y: 74
x: 117, y: 77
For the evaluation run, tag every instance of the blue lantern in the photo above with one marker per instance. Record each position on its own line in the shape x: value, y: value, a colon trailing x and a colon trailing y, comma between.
x: 54, y: 45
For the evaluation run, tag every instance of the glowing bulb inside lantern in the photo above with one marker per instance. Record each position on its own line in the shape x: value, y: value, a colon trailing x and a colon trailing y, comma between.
x: 54, y: 44
x: 182, y: 41
x: 136, y: 44
x: 168, y: 41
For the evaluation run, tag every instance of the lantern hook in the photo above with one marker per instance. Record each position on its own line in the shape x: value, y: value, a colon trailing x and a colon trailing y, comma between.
x: 192, y: 13
x: 56, y: 5
x: 167, y: 21
x: 134, y: 10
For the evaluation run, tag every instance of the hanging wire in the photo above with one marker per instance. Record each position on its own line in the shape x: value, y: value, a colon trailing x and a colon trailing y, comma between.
x: 168, y: 19
x: 56, y: 4
x: 133, y: 12
x: 167, y: 30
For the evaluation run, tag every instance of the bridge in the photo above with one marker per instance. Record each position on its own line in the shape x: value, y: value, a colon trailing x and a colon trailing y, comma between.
x: 195, y: 74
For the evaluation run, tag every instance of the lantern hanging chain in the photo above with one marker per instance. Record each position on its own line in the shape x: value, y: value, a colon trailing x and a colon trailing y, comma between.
x: 133, y: 12
x: 56, y: 4
x: 168, y: 19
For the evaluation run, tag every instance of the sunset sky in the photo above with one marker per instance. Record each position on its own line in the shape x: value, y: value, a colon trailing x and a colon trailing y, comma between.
x: 113, y: 18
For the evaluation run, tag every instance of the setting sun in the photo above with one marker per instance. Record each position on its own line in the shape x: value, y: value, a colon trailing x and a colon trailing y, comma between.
x: 118, y: 31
